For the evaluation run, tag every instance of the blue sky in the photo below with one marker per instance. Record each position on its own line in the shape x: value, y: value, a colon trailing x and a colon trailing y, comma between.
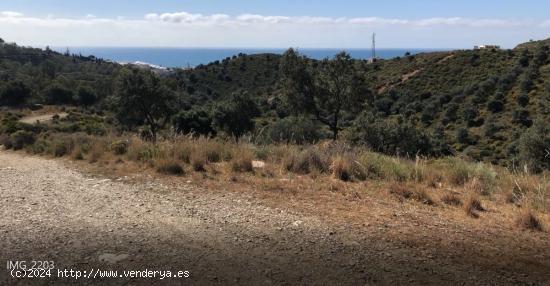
x: 282, y: 23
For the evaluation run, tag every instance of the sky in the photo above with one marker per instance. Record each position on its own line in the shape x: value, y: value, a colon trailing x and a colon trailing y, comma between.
x: 274, y: 24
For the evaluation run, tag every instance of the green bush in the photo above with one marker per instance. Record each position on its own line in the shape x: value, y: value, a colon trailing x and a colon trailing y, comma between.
x: 534, y: 147
x: 119, y: 147
x: 390, y: 137
x: 378, y: 166
x: 5, y: 140
x: 194, y: 121
x: 21, y: 139
x: 307, y: 161
x: 39, y: 147
x: 296, y: 130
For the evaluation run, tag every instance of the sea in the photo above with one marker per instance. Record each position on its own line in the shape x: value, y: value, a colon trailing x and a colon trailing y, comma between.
x: 191, y: 57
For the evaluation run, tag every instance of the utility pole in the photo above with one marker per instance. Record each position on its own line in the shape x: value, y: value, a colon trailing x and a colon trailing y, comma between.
x: 373, y: 46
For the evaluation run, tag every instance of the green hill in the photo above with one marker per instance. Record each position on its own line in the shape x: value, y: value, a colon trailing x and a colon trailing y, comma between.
x: 479, y: 101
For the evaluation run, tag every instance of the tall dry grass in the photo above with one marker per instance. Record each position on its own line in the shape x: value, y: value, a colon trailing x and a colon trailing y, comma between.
x: 330, y: 159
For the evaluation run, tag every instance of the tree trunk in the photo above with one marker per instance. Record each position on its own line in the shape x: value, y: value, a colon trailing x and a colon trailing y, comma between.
x: 335, y: 127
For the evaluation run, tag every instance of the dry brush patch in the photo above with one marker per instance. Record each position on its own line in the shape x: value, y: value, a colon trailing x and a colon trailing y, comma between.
x: 473, y: 205
x: 527, y: 220
x: 453, y: 181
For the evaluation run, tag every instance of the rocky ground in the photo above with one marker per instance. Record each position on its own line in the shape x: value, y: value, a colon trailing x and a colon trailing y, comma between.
x: 49, y: 210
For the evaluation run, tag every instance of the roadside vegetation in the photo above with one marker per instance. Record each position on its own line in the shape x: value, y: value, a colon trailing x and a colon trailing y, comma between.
x: 452, y: 130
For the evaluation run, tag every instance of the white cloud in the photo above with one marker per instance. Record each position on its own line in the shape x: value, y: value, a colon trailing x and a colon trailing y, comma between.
x: 253, y: 30
x: 187, y: 18
x: 10, y: 14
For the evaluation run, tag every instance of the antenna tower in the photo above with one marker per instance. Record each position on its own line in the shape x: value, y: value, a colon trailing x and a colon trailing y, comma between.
x: 373, y: 46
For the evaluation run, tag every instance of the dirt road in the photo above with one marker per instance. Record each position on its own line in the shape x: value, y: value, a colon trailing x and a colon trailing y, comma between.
x: 42, y: 117
x: 49, y: 211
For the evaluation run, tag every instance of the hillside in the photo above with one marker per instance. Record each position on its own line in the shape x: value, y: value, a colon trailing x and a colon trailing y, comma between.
x: 483, y: 100
x: 490, y: 96
x: 478, y: 102
x: 53, y: 78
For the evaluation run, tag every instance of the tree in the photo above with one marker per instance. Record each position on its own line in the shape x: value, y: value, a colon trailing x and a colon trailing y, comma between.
x: 389, y: 136
x: 470, y: 115
x: 523, y: 99
x: 522, y: 116
x: 196, y: 121
x: 86, y: 96
x: 234, y: 115
x: 141, y: 98
x: 463, y: 136
x: 297, y: 130
x: 58, y: 94
x: 328, y: 92
x: 534, y: 147
x: 15, y: 93
x: 495, y: 105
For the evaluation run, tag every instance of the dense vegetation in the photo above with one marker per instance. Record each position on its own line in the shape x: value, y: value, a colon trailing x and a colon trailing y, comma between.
x: 490, y: 105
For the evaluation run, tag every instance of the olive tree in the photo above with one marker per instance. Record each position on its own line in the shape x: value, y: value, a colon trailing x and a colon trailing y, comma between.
x: 141, y: 99
x: 328, y: 90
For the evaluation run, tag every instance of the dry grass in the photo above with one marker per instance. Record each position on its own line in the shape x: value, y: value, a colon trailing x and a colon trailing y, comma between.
x: 473, y: 205
x: 168, y: 166
x: 527, y: 220
x: 342, y: 168
x: 242, y: 161
x: 198, y: 161
x: 306, y: 161
x: 411, y: 192
x: 96, y: 152
x: 464, y: 182
x: 451, y: 199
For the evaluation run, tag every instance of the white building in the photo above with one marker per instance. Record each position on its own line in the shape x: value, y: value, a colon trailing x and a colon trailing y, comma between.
x: 487, y: 47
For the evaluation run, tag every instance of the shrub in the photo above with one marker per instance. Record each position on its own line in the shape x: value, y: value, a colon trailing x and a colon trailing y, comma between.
x: 57, y: 94
x: 144, y: 152
x: 297, y: 130
x: 14, y: 93
x: 495, y: 106
x: 194, y: 121
x: 60, y: 148
x: 405, y: 192
x: 119, y: 147
x: 451, y: 199
x: 168, y: 166
x: 389, y: 137
x: 96, y: 152
x: 523, y: 99
x: 242, y: 161
x: 463, y: 136
x: 534, y: 147
x: 6, y: 141
x: 527, y: 220
x: 522, y: 116
x: 21, y: 139
x: 473, y: 206
x: 306, y: 161
x: 342, y: 168
x: 460, y: 172
x: 215, y: 151
x: 39, y: 147
x: 379, y: 166
x: 262, y: 152
x: 198, y: 161
x: 77, y: 154
x: 234, y: 116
